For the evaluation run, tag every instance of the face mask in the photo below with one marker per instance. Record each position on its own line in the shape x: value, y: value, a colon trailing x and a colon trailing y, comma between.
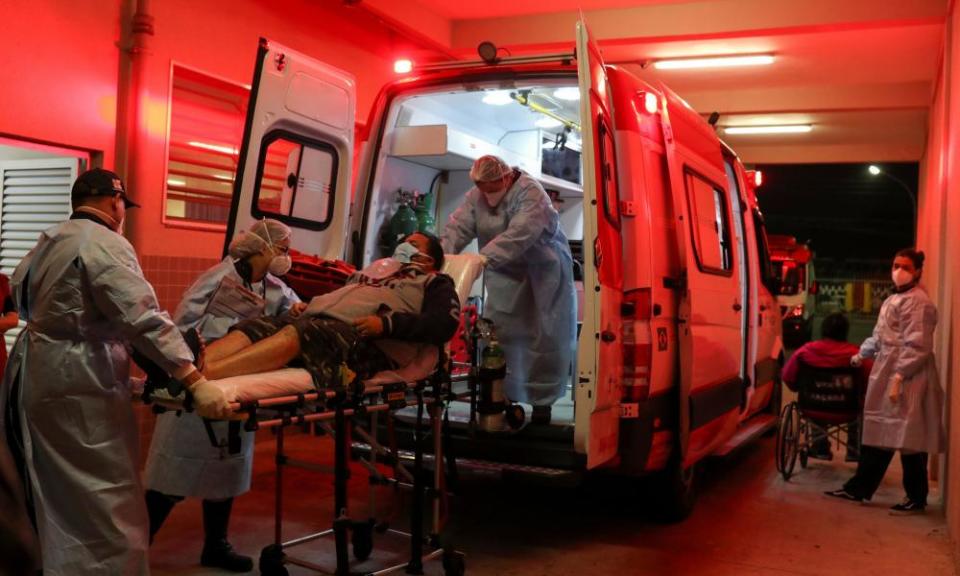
x: 405, y: 252
x: 901, y: 277
x: 280, y: 265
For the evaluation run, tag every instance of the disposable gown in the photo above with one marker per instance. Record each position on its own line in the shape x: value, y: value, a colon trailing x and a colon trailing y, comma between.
x: 902, y: 343
x: 182, y: 460
x: 85, y: 299
x: 529, y: 281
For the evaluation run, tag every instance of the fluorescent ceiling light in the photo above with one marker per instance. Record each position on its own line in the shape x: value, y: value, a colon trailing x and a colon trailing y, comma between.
x: 782, y: 129
x: 567, y: 93
x: 214, y: 147
x: 714, y: 62
x: 548, y: 122
x: 222, y: 177
x: 175, y: 182
x: 497, y: 98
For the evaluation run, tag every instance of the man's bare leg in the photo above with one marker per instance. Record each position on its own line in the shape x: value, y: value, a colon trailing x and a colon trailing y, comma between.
x: 270, y: 353
x: 229, y: 345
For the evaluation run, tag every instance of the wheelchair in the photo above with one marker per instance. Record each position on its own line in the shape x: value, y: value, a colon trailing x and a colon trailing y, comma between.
x: 828, y: 403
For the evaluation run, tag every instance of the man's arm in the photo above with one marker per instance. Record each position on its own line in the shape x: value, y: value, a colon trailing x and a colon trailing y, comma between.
x: 438, y: 318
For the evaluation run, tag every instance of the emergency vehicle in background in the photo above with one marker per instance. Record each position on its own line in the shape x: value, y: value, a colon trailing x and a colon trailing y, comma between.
x: 679, y: 334
x: 797, y: 288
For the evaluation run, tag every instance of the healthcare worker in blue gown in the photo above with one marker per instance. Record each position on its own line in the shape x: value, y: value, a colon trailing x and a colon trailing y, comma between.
x: 904, y: 400
x: 183, y: 460
x: 528, y: 275
x: 66, y: 410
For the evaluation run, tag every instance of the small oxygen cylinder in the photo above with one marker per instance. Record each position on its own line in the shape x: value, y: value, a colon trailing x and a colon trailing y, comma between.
x: 403, y: 222
x: 425, y: 221
x: 492, y: 402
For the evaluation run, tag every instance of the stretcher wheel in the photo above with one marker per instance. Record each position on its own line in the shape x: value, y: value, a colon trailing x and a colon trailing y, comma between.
x: 271, y: 561
x: 515, y: 416
x: 454, y: 563
x: 362, y: 539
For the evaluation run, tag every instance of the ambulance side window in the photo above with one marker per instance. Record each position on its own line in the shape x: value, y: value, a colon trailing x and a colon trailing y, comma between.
x: 296, y: 180
x: 710, y: 225
x: 611, y: 202
x: 768, y: 274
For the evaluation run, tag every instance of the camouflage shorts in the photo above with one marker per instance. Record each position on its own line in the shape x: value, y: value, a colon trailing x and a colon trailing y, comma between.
x: 325, y: 345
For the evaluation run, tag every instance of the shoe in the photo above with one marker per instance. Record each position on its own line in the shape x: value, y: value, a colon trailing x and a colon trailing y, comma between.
x: 541, y: 415
x: 220, y: 554
x: 908, y: 508
x: 843, y: 495
x: 828, y: 456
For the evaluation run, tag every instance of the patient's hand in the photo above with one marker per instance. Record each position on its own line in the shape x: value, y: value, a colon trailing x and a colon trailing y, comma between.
x: 297, y: 309
x: 369, y: 326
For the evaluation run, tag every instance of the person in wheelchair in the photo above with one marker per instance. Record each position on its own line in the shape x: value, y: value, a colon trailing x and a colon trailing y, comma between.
x: 831, y: 351
x: 377, y: 321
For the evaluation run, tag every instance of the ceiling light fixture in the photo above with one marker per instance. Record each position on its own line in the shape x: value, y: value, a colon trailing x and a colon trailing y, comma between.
x: 214, y: 147
x: 781, y: 129
x: 714, y: 62
x: 567, y: 93
x: 497, y: 98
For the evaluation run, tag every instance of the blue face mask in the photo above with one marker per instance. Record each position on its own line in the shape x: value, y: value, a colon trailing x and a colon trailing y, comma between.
x: 405, y: 252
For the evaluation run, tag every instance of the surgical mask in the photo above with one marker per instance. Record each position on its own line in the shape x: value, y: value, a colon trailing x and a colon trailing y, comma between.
x: 281, y: 263
x: 404, y: 252
x: 901, y: 277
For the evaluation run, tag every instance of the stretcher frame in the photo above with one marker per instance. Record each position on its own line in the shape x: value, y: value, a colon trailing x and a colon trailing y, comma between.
x: 344, y: 406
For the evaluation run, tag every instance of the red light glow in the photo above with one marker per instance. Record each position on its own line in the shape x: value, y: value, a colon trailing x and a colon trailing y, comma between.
x: 757, y: 178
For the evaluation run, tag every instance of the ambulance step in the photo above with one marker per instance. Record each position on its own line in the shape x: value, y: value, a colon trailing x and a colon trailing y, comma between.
x: 750, y: 431
x: 484, y: 466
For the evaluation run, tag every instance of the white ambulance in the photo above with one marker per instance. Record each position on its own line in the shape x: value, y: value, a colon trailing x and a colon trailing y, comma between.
x: 679, y: 334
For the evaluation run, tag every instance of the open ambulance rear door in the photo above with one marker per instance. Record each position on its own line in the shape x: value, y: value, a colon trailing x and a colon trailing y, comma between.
x: 711, y: 297
x: 600, y: 350
x: 297, y: 151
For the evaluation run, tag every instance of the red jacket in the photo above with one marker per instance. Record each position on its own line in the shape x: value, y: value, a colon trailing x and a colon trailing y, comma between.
x: 823, y: 353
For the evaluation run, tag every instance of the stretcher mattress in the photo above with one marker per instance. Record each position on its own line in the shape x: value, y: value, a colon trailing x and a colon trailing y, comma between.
x: 463, y: 268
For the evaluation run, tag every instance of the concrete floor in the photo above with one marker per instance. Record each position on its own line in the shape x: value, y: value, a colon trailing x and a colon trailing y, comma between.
x: 747, y: 522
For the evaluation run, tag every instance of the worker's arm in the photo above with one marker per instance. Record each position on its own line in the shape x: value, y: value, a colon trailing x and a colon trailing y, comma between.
x: 533, y: 217
x: 918, y: 319
x: 438, y: 318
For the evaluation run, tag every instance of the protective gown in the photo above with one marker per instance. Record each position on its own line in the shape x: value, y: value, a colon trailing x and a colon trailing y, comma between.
x: 182, y: 460
x: 529, y: 281
x: 66, y: 395
x: 902, y: 343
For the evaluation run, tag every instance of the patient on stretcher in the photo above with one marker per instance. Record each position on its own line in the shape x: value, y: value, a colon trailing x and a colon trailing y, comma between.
x: 381, y: 319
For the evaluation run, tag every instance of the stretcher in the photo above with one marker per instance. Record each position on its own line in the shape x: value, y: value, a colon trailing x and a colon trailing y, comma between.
x: 287, y: 397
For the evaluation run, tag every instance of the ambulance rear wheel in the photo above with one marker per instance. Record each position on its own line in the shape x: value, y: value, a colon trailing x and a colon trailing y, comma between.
x: 675, y: 491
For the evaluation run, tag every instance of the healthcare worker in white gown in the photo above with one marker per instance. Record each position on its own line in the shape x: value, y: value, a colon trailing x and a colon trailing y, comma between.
x: 183, y: 460
x: 904, y: 402
x: 528, y: 276
x: 66, y: 407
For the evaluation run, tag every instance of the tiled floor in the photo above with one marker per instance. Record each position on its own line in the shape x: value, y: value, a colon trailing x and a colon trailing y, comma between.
x: 748, y: 522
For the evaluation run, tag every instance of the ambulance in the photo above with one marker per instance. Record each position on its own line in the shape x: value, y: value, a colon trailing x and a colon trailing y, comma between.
x: 679, y: 331
x: 796, y: 288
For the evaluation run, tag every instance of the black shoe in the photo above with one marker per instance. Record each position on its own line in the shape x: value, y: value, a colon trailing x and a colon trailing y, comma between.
x: 220, y: 554
x: 843, y: 495
x: 908, y: 508
x: 541, y: 415
x: 828, y: 456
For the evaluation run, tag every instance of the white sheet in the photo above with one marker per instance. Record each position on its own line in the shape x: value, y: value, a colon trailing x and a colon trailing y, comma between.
x: 463, y: 268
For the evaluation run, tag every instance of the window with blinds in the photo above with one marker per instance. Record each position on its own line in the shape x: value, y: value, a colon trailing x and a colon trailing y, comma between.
x: 34, y: 195
x: 206, y: 127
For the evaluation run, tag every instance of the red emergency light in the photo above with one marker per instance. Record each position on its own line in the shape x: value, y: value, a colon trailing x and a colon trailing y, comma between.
x: 757, y: 178
x: 650, y: 102
x: 402, y: 66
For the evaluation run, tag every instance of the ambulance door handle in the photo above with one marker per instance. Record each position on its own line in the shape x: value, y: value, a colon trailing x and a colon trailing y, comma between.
x: 737, y: 307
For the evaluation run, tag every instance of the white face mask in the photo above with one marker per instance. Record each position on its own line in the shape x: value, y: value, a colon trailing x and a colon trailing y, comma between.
x: 280, y: 265
x: 404, y: 252
x: 901, y: 277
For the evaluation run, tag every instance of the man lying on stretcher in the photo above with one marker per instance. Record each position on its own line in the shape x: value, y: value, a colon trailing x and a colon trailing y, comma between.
x: 378, y: 321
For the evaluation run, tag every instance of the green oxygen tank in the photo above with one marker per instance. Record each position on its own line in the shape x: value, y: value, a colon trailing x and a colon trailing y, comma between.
x: 404, y: 220
x: 492, y: 403
x: 425, y: 221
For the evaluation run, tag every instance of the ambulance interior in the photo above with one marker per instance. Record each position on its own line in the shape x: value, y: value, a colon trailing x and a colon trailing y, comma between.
x: 429, y: 145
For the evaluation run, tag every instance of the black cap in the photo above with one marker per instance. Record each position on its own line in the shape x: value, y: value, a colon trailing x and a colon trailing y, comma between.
x: 100, y: 182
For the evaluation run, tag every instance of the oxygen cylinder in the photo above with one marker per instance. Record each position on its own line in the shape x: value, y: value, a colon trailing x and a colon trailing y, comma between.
x: 492, y: 402
x: 425, y: 221
x: 403, y: 222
